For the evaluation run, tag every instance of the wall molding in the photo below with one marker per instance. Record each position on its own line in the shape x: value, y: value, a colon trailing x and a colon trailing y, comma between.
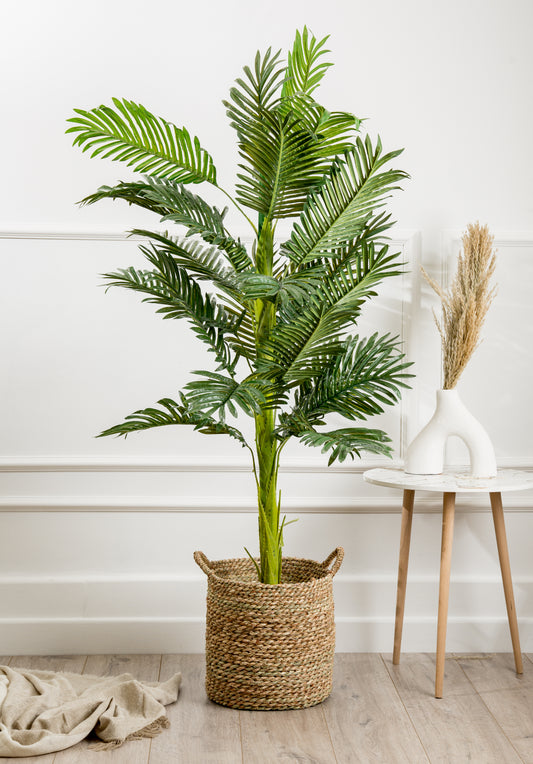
x: 180, y: 464
x: 58, y: 232
x: 375, y: 504
x: 501, y: 238
x: 452, y: 240
x: 198, y: 463
x: 67, y: 234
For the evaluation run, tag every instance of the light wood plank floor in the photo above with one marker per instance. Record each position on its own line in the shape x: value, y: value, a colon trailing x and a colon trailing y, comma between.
x: 377, y: 713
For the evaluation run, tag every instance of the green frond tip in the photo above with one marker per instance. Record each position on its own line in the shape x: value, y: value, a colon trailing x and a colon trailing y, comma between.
x: 304, y: 69
x: 130, y: 133
x: 348, y: 442
x: 172, y: 413
x: 286, y: 139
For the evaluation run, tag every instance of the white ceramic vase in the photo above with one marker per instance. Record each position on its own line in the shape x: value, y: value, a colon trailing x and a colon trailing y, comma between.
x: 425, y: 455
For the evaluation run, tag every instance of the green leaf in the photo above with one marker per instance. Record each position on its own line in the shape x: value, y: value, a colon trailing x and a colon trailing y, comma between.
x: 130, y: 133
x: 348, y: 442
x: 216, y: 392
x: 172, y: 201
x: 304, y: 71
x: 205, y: 263
x: 296, y: 288
x: 358, y: 383
x: 308, y: 336
x: 172, y: 413
x: 255, y: 286
x: 180, y: 296
x: 286, y: 139
x: 139, y: 193
x: 341, y: 209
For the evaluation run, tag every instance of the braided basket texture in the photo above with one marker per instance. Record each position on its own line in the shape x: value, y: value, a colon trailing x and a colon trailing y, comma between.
x: 269, y: 647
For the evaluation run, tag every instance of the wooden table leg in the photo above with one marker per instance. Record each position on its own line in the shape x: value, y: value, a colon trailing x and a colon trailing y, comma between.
x: 448, y: 514
x: 405, y: 540
x: 503, y: 553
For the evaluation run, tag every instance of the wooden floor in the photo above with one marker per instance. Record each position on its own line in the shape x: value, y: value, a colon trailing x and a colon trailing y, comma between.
x: 377, y: 713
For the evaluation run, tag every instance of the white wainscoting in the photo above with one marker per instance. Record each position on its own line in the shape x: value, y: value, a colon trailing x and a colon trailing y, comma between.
x: 160, y: 608
x: 97, y: 535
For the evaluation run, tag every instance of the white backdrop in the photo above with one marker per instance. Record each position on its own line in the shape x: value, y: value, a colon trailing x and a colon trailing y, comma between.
x: 97, y: 534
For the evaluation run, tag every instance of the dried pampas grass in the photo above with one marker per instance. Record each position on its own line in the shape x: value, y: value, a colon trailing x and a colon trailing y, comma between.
x: 466, y: 302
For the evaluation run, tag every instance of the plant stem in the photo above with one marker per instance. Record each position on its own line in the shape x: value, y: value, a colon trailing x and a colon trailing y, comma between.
x: 243, y: 213
x: 267, y: 495
x: 267, y: 445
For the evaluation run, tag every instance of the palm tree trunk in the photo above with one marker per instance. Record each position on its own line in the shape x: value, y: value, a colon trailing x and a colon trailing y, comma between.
x: 267, y: 445
x: 267, y: 495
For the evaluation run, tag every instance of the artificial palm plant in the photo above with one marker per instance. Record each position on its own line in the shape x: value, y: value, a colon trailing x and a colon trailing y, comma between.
x: 279, y: 325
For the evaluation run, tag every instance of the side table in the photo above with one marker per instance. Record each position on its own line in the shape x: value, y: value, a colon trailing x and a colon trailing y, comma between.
x: 449, y: 484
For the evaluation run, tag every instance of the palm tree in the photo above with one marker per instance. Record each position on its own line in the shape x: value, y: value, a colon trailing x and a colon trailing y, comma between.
x: 279, y: 324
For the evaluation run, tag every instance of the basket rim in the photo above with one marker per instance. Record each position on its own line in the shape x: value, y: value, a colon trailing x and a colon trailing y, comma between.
x: 328, y: 573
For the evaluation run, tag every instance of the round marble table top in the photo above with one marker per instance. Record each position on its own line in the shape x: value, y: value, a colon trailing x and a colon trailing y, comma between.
x: 455, y: 481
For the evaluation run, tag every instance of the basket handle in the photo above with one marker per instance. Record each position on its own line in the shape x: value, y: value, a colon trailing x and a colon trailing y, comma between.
x: 337, y: 555
x: 205, y: 564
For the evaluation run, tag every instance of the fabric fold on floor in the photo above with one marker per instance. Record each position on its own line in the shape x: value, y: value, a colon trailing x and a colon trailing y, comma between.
x: 46, y: 711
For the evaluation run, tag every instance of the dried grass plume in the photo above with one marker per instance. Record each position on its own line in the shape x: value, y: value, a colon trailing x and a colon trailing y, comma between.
x: 466, y: 302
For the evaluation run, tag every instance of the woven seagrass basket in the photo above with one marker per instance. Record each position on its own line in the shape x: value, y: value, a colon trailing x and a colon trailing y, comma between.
x: 269, y: 646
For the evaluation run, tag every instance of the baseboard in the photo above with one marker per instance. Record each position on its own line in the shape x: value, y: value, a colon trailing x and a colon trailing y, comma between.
x: 187, y: 635
x: 73, y: 616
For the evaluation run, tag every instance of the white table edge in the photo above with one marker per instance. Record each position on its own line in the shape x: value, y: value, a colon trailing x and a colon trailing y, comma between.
x: 452, y: 482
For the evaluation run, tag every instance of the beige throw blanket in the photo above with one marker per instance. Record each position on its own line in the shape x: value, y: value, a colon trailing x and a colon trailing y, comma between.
x: 45, y: 711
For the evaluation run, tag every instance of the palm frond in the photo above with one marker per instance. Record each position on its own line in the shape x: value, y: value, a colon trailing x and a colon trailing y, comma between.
x: 172, y: 413
x: 206, y: 265
x: 216, y: 392
x: 349, y: 441
x: 279, y: 167
x: 307, y: 336
x: 180, y: 296
x: 286, y: 143
x: 342, y: 207
x: 172, y: 201
x: 255, y: 95
x: 358, y: 383
x: 296, y: 288
x: 258, y: 286
x: 332, y: 132
x: 130, y: 133
x: 138, y: 192
x: 333, y: 129
x: 304, y: 69
x: 213, y: 263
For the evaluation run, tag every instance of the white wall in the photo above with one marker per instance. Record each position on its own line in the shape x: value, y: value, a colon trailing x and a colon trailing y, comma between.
x: 97, y: 535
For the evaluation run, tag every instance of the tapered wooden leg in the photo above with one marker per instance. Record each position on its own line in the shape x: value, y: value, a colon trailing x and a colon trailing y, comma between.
x: 448, y: 514
x: 503, y: 553
x: 405, y: 540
